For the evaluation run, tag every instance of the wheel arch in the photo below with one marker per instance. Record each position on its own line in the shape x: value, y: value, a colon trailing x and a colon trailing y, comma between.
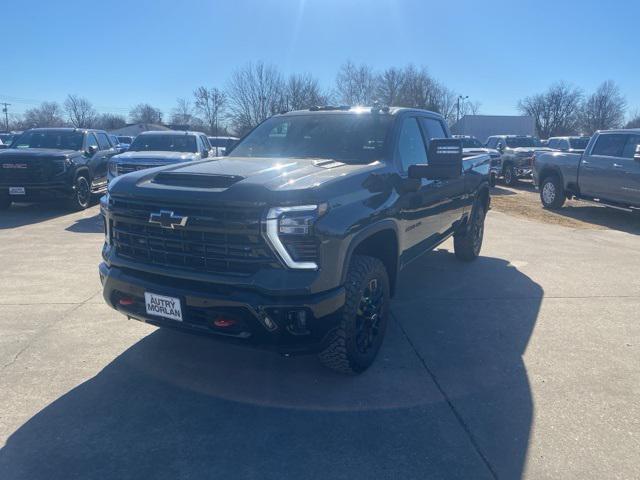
x: 379, y: 241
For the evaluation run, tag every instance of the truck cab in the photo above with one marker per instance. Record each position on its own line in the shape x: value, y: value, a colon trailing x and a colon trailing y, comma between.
x: 516, y: 154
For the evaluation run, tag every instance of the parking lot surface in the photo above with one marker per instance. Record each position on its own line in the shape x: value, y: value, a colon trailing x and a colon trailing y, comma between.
x: 523, y: 364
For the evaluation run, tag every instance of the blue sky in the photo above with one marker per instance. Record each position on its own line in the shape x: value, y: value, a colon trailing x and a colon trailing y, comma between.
x: 121, y: 53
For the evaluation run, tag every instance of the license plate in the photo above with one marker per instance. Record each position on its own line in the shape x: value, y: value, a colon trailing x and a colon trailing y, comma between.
x: 16, y: 191
x: 161, y: 306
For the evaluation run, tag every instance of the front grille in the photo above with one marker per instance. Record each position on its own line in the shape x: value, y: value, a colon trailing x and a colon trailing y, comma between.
x: 223, y: 240
x: 20, y: 171
x: 133, y: 167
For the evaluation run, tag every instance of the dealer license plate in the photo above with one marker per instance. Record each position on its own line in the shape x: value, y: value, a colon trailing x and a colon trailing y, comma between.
x: 161, y: 306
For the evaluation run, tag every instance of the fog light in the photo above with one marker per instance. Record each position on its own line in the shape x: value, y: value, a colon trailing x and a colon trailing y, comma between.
x: 224, y: 322
x: 297, y: 322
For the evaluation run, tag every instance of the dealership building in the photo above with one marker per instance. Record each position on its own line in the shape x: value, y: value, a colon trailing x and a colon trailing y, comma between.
x: 483, y: 126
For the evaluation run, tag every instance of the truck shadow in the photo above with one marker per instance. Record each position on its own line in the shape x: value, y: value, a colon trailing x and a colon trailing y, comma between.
x: 21, y: 214
x: 606, y: 217
x: 92, y: 224
x: 174, y: 405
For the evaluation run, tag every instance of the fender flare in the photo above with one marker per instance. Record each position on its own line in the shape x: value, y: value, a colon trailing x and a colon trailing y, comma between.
x: 364, y: 234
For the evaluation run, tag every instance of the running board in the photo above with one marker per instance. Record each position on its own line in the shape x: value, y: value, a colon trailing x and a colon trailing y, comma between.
x: 609, y: 205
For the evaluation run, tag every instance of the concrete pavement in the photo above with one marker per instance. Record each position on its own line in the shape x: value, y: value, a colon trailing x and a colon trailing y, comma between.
x: 523, y: 364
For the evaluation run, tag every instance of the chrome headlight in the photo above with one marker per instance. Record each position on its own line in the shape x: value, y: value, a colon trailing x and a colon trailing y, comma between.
x: 289, y: 230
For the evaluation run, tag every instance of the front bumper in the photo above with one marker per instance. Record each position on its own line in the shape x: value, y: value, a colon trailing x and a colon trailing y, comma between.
x: 264, y: 321
x: 38, y: 191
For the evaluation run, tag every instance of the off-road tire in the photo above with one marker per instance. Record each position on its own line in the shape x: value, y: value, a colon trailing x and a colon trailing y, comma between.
x: 552, y: 193
x: 81, y: 199
x: 468, y: 242
x: 341, y: 351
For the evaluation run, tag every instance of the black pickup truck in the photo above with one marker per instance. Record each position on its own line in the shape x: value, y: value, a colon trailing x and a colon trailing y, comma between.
x: 294, y: 240
x: 46, y: 163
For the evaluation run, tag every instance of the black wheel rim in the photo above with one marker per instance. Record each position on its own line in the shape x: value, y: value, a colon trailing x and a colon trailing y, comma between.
x: 82, y: 191
x: 508, y: 177
x: 369, y: 316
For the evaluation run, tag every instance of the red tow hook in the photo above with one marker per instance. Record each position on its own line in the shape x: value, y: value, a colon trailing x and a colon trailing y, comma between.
x: 126, y: 301
x: 224, y: 322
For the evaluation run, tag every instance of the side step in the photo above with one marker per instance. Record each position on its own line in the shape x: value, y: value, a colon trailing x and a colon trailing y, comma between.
x: 597, y: 201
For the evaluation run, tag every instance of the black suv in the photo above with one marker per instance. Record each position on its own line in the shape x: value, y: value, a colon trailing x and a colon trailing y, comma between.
x: 295, y: 239
x: 45, y: 163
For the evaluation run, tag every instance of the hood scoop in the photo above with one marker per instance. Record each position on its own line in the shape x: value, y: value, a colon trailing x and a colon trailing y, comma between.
x: 327, y: 163
x: 196, y: 180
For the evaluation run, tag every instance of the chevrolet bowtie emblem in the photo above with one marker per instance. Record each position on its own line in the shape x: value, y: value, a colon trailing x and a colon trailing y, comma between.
x: 167, y: 219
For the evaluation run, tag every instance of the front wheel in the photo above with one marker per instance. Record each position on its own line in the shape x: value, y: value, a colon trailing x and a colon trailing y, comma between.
x: 81, y: 198
x: 552, y: 193
x: 353, y: 345
x: 467, y: 244
x: 509, y: 175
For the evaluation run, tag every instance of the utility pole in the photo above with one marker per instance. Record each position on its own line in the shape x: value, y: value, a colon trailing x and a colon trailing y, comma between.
x: 5, y: 110
x: 460, y: 97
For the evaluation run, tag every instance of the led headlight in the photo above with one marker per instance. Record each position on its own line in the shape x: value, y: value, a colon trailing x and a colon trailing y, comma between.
x: 290, y: 233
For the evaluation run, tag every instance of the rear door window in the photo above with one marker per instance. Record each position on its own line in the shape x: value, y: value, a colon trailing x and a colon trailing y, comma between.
x: 91, y: 141
x: 103, y: 141
x: 631, y: 147
x: 610, y: 145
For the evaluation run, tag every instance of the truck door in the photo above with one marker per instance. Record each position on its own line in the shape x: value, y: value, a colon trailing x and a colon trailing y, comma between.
x: 423, y: 204
x: 106, y: 151
x: 597, y: 173
x: 627, y: 172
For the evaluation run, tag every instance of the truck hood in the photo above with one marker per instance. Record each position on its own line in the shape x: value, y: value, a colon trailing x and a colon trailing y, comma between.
x: 156, y: 156
x: 36, y: 153
x: 244, y: 179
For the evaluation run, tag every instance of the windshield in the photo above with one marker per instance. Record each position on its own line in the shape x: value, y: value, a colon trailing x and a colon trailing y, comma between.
x: 220, y: 141
x: 164, y: 143
x: 471, y: 143
x: 579, y: 143
x: 517, y: 142
x: 125, y: 139
x: 60, y: 140
x: 349, y: 138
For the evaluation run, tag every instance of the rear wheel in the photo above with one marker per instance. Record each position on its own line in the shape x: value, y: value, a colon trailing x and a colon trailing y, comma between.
x: 354, y: 344
x: 468, y: 243
x: 552, y: 193
x: 81, y: 198
x: 509, y: 175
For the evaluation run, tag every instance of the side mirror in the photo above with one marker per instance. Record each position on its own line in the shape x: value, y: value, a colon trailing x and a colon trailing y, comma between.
x: 500, y: 147
x: 445, y: 161
x: 636, y: 157
x: 204, y: 154
x: 92, y: 149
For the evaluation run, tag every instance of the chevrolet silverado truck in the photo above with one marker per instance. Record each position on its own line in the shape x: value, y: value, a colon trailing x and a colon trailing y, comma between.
x: 296, y: 239
x: 516, y: 155
x: 607, y: 172
x: 64, y: 163
x: 472, y: 146
x: 156, y: 148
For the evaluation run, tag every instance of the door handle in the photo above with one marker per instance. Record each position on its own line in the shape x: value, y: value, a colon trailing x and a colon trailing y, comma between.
x: 617, y: 165
x: 584, y: 162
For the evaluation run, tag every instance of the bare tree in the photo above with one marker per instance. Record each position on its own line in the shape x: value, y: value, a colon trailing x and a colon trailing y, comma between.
x: 356, y: 85
x: 255, y: 92
x: 389, y: 86
x: 634, y: 121
x: 470, y: 108
x: 210, y: 104
x: 604, y: 109
x: 302, y: 91
x: 145, y: 113
x: 80, y: 112
x: 182, y: 113
x: 110, y: 121
x: 48, y: 114
x: 556, y: 111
